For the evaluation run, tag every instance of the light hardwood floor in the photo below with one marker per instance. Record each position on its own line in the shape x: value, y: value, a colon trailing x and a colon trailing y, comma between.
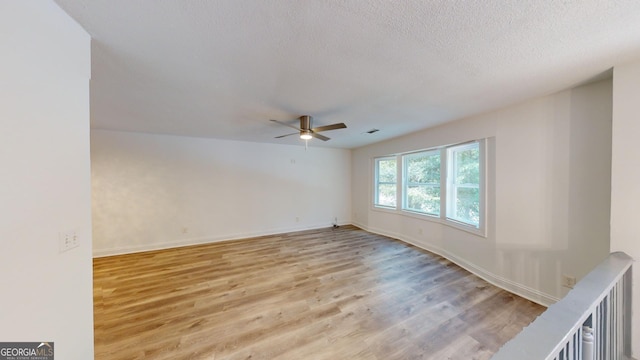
x: 322, y: 294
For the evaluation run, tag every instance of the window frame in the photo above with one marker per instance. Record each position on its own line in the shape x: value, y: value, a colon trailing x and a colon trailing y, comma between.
x: 452, y: 186
x: 406, y: 183
x: 442, y: 218
x: 376, y: 182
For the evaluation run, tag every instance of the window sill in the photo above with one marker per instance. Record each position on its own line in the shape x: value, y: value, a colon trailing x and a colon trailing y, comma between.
x: 387, y: 209
x: 480, y: 232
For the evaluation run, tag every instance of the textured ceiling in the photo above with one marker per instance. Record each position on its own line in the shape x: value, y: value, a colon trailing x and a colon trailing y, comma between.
x: 222, y: 69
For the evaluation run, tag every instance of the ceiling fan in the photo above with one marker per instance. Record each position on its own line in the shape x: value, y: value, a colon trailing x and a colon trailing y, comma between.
x: 306, y: 132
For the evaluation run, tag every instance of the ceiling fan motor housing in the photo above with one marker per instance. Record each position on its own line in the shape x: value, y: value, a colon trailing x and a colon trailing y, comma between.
x: 305, y: 122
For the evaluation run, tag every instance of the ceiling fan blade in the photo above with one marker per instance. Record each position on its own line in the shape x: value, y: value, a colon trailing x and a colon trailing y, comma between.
x: 281, y: 136
x: 285, y: 124
x: 330, y: 127
x: 318, y: 136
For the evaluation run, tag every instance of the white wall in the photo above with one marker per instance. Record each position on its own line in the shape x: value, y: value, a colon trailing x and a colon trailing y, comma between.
x: 44, y: 178
x: 156, y: 191
x: 625, y: 178
x: 548, y: 192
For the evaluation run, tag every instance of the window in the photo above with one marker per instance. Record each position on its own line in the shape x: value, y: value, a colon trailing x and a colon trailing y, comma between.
x: 446, y: 184
x: 386, y: 182
x: 463, y: 184
x: 421, y: 188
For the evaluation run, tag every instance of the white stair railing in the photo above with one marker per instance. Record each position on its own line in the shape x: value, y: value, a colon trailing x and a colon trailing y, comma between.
x: 593, y: 322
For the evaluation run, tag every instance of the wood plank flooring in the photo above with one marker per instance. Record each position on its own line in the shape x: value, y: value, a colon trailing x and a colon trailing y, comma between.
x: 322, y: 294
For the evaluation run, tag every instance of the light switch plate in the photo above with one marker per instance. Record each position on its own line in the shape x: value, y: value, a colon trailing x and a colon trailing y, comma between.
x: 68, y: 240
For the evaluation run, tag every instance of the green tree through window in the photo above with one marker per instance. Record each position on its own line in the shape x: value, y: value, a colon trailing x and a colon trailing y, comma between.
x: 422, y: 182
x: 464, y: 184
x: 445, y: 183
x: 386, y: 182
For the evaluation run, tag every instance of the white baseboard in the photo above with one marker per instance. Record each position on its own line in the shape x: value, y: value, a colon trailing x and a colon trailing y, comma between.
x: 499, y: 281
x: 97, y: 253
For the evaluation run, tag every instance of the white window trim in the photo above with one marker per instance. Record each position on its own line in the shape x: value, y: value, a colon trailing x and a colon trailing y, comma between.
x: 449, y: 181
x: 376, y: 183
x: 480, y: 231
x: 405, y: 182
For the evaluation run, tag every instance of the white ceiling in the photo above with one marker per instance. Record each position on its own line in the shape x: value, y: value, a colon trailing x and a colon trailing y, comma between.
x: 222, y: 69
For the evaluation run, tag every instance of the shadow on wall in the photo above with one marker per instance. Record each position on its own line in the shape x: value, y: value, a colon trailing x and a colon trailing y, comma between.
x: 571, y: 236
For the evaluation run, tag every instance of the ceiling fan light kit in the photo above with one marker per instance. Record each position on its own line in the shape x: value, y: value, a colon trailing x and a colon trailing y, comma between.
x: 305, y: 135
x: 305, y: 130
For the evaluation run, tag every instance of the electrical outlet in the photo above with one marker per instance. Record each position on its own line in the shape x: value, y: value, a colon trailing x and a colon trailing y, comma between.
x: 185, y: 229
x: 568, y: 281
x: 68, y: 240
x: 297, y: 219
